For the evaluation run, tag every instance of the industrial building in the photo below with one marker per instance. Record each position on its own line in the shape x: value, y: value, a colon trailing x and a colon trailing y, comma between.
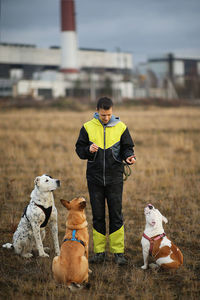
x: 170, y: 76
x: 26, y: 70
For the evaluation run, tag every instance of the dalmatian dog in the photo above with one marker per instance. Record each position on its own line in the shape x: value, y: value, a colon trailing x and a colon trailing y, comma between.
x: 41, y: 210
x: 155, y: 242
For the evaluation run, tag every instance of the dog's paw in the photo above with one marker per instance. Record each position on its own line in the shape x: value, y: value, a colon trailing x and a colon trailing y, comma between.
x: 47, y: 249
x: 89, y: 271
x: 144, y: 267
x: 44, y: 255
x: 7, y: 246
x: 165, y: 220
x: 75, y: 286
x: 153, y: 266
x: 27, y: 255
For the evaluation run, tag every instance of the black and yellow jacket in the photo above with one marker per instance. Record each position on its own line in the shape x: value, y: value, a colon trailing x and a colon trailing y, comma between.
x: 115, y: 144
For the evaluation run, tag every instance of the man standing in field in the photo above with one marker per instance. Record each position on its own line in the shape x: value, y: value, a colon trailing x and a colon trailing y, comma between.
x: 105, y: 142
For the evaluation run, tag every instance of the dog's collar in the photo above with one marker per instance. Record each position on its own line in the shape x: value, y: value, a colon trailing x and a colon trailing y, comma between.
x: 152, y: 239
x: 74, y: 238
x: 79, y: 226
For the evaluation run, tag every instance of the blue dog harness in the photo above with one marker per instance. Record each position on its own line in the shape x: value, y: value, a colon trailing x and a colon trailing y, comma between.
x: 74, y: 238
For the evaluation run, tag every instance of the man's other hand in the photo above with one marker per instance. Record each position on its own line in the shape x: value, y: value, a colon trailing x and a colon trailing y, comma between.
x: 131, y: 160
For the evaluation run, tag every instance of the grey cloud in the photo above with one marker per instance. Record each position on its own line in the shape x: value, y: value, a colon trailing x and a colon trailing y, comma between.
x: 141, y: 27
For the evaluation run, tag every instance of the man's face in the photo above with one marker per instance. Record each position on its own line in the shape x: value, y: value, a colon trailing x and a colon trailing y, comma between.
x: 105, y: 115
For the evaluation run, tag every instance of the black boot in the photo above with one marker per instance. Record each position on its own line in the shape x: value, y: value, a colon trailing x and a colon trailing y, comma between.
x: 120, y: 259
x: 98, y: 258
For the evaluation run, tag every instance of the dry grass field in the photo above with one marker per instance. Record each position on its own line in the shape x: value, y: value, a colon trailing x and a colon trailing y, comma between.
x: 167, y: 174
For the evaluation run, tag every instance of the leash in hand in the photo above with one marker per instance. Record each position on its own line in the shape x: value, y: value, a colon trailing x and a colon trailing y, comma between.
x: 127, y: 171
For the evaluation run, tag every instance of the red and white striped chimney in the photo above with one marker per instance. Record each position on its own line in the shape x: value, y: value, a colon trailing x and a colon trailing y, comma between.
x: 69, y: 49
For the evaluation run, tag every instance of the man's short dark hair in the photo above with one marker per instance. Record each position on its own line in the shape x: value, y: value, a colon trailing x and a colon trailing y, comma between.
x: 104, y: 103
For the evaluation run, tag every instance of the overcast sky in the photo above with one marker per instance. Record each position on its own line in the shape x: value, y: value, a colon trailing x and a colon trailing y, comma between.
x: 142, y: 27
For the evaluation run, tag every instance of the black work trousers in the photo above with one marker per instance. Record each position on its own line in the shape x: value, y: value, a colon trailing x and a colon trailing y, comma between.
x: 113, y: 194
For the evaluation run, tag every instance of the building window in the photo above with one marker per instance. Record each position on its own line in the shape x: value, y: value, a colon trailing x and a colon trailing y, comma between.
x: 190, y: 68
x: 45, y: 93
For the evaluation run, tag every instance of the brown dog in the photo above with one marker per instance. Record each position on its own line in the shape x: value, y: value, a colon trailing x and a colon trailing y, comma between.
x: 72, y: 264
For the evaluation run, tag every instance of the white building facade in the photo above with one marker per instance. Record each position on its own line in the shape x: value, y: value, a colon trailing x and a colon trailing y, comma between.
x: 36, y: 72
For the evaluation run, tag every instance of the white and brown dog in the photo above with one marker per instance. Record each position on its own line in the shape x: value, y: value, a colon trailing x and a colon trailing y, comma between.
x: 157, y: 244
x: 41, y: 210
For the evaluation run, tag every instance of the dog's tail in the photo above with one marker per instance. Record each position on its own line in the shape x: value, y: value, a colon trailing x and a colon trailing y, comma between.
x: 8, y: 246
x: 180, y: 255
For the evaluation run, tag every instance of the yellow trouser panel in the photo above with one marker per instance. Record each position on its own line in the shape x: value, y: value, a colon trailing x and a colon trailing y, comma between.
x: 116, y: 241
x: 99, y: 241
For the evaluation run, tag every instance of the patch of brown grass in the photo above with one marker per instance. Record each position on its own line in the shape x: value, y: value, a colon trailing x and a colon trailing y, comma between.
x: 167, y: 174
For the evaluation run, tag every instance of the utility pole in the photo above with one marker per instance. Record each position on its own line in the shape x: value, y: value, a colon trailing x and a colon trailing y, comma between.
x: 118, y: 91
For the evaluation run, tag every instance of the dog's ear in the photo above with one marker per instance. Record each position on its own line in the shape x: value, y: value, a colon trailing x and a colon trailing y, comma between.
x: 65, y: 203
x: 82, y: 204
x: 37, y: 181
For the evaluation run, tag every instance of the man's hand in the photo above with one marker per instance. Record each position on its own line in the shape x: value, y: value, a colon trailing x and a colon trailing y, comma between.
x: 131, y: 159
x: 93, y: 148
